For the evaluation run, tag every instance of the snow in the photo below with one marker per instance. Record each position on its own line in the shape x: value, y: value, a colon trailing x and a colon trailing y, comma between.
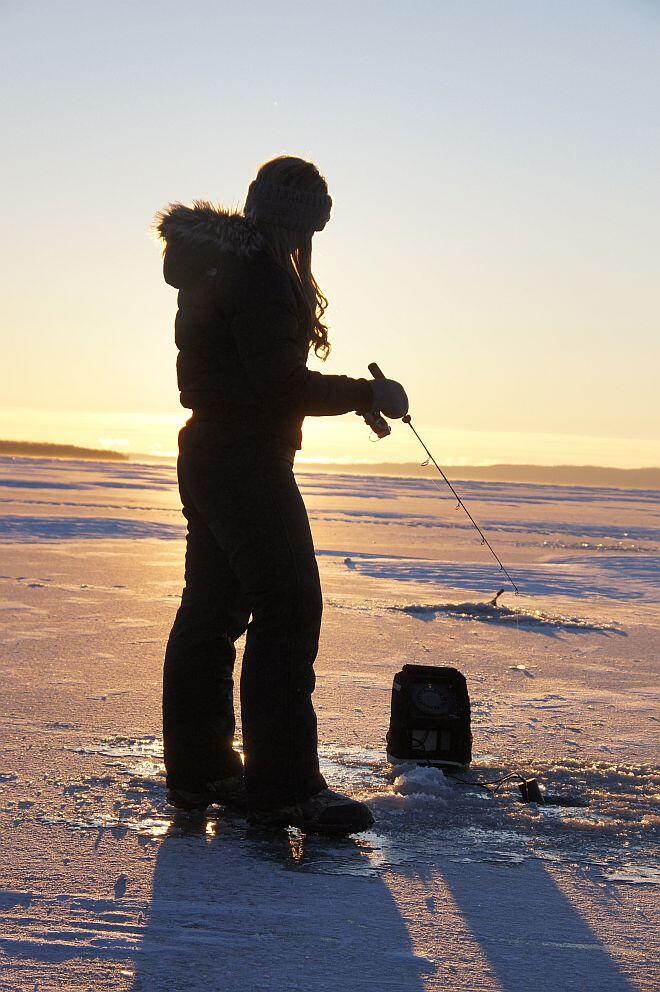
x: 105, y: 887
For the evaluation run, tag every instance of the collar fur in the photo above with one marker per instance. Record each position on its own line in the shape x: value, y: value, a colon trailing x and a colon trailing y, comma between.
x: 205, y: 225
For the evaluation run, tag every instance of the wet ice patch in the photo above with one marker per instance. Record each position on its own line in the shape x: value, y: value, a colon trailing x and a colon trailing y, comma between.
x: 421, y: 814
x: 124, y: 747
x: 634, y: 875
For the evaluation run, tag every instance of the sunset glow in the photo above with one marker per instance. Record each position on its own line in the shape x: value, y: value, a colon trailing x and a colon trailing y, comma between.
x: 493, y: 236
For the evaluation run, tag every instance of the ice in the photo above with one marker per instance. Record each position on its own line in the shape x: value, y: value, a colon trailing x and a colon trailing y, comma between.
x: 27, y: 528
x: 585, y: 577
x: 635, y: 875
x: 416, y: 781
x: 547, y: 623
x: 106, y: 887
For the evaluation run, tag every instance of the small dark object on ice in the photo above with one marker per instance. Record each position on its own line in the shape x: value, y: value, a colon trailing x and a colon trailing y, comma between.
x: 327, y: 812
x: 531, y: 793
x: 493, y: 601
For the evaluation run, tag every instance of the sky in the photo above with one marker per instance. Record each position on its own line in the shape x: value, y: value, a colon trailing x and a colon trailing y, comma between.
x: 494, y: 167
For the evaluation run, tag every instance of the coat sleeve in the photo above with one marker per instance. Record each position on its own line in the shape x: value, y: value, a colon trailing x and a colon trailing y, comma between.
x: 273, y: 354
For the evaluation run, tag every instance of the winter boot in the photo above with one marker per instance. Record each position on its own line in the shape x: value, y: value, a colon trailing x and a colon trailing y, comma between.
x: 327, y: 812
x: 228, y: 791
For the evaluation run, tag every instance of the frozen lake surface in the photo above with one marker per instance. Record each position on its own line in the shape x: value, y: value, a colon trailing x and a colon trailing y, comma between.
x: 105, y: 888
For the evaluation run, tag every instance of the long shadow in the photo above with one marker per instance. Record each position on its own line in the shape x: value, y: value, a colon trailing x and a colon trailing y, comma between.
x: 527, y: 928
x: 232, y: 913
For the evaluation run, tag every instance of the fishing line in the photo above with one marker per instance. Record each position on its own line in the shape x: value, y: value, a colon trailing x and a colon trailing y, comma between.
x: 492, y: 786
x: 377, y: 374
x: 420, y: 728
x: 459, y: 502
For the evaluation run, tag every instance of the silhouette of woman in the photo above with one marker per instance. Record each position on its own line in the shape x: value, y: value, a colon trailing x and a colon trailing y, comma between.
x: 249, y: 310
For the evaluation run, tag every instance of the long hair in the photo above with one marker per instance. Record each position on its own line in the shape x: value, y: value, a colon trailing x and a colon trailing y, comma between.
x: 292, y: 249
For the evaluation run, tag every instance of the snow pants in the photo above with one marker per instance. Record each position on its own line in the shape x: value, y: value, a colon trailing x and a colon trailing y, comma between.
x: 250, y: 566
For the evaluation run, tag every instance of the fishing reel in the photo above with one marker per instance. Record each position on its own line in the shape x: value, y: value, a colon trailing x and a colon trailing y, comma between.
x: 374, y: 418
x: 378, y: 424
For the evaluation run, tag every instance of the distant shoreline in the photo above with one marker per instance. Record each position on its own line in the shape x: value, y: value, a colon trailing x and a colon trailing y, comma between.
x: 41, y: 449
x: 549, y: 475
x: 558, y: 475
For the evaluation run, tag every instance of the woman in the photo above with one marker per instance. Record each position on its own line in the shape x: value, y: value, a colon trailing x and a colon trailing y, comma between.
x: 249, y: 311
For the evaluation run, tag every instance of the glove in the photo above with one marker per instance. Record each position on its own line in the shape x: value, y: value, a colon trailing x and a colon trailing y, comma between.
x: 389, y: 398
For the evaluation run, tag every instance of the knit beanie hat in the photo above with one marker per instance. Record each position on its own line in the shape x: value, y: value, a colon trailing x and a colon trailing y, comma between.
x: 293, y: 209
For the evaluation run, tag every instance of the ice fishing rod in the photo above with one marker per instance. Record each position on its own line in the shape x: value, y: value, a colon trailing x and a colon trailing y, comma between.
x: 382, y: 429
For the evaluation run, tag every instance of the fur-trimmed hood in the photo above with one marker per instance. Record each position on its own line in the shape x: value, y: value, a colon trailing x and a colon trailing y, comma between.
x: 195, y: 238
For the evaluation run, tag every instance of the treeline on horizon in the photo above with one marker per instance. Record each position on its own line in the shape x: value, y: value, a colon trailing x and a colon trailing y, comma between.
x: 562, y: 475
x: 41, y: 449
x: 566, y: 475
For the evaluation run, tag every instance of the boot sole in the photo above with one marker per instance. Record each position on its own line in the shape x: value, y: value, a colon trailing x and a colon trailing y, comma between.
x: 192, y: 805
x: 307, y: 827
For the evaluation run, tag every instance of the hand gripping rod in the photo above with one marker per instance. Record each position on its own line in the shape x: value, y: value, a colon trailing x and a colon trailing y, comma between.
x: 377, y: 374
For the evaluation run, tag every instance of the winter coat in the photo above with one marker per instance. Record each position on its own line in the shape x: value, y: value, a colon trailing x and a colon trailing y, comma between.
x: 240, y: 334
